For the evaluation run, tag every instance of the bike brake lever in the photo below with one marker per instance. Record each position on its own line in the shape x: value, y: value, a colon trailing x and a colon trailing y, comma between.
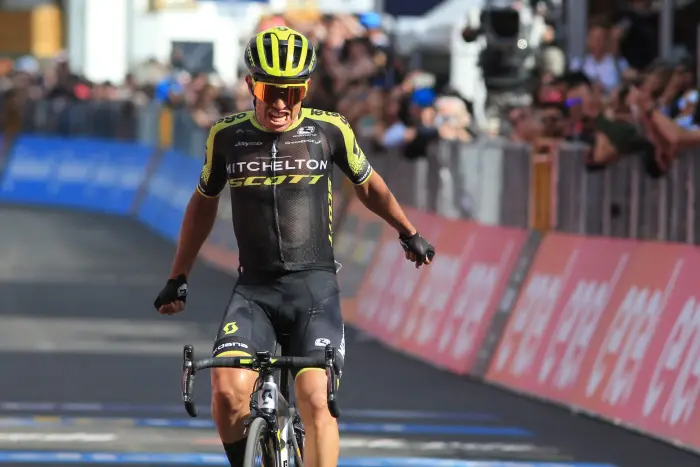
x: 188, y: 381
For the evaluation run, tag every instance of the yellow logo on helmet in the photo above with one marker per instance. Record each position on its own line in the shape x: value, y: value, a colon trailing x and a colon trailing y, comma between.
x: 312, y: 62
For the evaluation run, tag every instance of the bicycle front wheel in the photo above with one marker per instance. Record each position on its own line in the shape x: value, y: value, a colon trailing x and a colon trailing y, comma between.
x: 259, y: 451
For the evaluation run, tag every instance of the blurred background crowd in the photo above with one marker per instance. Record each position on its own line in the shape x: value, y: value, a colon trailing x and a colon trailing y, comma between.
x: 618, y: 97
x: 359, y: 75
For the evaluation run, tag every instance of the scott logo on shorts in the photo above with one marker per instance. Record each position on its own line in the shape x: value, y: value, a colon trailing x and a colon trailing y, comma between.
x: 322, y: 342
x: 230, y: 328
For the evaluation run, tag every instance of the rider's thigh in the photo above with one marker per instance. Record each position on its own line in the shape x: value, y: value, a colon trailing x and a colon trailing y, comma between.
x: 244, y: 330
x: 321, y: 322
x: 245, y: 327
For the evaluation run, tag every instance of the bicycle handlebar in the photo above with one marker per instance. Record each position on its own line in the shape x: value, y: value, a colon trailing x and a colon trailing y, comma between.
x: 250, y: 362
x: 262, y: 360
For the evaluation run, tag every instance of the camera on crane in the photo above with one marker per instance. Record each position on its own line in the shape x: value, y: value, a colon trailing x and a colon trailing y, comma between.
x: 504, y: 57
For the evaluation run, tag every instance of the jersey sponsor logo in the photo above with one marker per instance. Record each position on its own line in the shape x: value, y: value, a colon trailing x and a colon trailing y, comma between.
x: 231, y: 118
x: 322, y: 342
x: 357, y: 162
x: 306, y: 131
x: 249, y: 143
x: 319, y: 113
x: 230, y: 328
x: 276, y: 180
x: 230, y: 345
x: 206, y: 173
x: 330, y: 212
x: 279, y: 165
x: 341, y: 347
x: 314, y: 141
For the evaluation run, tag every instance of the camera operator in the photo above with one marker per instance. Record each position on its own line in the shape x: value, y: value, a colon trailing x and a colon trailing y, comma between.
x: 507, y: 36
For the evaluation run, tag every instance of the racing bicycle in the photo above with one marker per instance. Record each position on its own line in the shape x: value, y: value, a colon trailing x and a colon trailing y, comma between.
x: 272, y: 418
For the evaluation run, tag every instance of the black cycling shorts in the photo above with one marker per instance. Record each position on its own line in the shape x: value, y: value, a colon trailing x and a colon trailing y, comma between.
x: 298, y: 310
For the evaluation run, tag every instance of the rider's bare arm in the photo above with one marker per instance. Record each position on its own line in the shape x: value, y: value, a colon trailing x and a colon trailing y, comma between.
x: 378, y: 198
x: 202, y: 208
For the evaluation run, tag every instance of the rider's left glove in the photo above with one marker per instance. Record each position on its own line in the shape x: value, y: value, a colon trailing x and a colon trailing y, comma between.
x: 417, y: 247
x: 173, y: 297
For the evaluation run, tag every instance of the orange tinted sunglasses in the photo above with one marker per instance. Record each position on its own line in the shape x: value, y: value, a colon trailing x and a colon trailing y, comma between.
x: 291, y: 94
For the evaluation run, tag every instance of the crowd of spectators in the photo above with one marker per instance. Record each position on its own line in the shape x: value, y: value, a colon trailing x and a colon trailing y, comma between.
x: 619, y: 98
x: 358, y: 75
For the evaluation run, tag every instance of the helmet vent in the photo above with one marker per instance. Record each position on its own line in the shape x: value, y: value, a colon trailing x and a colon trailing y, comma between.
x: 284, y: 50
x: 267, y: 47
x: 297, y: 44
x: 307, y: 61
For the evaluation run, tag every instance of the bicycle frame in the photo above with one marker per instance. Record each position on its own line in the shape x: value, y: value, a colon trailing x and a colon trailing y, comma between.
x: 270, y: 402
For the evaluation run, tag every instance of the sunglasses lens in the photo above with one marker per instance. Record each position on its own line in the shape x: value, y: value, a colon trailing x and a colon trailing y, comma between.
x: 270, y: 93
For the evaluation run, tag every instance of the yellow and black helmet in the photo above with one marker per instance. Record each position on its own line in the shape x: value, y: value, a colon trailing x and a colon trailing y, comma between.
x: 280, y: 54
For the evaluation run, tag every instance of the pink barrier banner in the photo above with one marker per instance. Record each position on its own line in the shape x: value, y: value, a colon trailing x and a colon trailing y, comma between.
x: 487, y: 257
x: 391, y: 281
x: 611, y: 327
x: 643, y: 363
x: 440, y: 313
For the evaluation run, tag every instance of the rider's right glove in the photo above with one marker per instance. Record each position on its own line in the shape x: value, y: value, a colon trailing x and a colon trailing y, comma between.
x: 418, y: 246
x: 175, y: 289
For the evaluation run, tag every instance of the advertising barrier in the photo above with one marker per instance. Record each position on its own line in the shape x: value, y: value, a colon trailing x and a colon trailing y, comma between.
x: 612, y: 328
x: 441, y: 313
x: 484, y: 265
x: 168, y: 193
x: 356, y: 245
x: 82, y: 173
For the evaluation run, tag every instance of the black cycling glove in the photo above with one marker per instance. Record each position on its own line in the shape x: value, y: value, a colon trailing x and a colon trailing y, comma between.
x: 418, y: 246
x: 175, y: 289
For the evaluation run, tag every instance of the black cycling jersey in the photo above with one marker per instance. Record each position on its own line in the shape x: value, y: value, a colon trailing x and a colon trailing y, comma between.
x: 281, y: 186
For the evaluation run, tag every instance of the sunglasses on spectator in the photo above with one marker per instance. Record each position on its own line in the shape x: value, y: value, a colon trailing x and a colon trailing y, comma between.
x: 290, y: 93
x: 572, y: 101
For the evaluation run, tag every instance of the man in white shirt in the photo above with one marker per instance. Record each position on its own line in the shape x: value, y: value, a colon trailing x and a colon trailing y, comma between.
x: 599, y: 65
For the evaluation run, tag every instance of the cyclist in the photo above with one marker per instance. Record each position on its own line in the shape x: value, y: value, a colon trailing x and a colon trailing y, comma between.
x: 277, y: 160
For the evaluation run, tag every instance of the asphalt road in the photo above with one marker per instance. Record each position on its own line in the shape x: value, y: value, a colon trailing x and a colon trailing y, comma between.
x: 90, y: 373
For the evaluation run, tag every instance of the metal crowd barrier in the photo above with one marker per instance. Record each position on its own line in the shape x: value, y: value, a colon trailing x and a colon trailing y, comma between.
x: 64, y: 117
x: 457, y: 180
x: 491, y: 181
x: 622, y: 201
